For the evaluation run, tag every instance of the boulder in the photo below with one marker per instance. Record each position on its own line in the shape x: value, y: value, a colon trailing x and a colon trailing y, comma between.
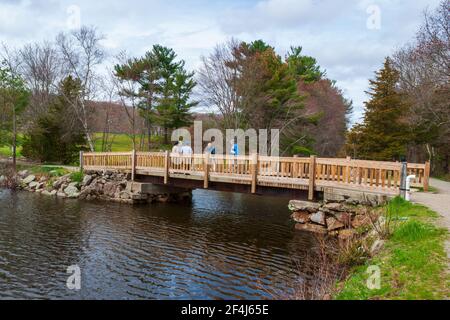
x: 344, y: 217
x: 2, y: 179
x: 71, y: 191
x: 333, y: 206
x: 58, y: 183
x: 33, y: 185
x: 74, y: 184
x: 297, y: 205
x: 125, y: 195
x: 49, y: 193
x: 22, y: 174
x: 61, y: 195
x: 87, y: 180
x: 109, y: 189
x: 318, y: 218
x: 311, y: 228
x: 301, y: 217
x: 99, y: 188
x: 29, y: 179
x: 334, y: 224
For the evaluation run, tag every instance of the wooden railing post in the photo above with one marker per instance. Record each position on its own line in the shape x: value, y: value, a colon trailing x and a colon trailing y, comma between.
x: 348, y: 172
x: 81, y: 161
x: 166, y: 167
x: 254, y: 171
x: 426, y: 176
x: 206, y: 170
x: 133, y: 165
x: 312, y: 178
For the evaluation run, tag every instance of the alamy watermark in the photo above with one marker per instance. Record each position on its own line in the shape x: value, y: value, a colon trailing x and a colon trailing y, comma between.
x: 74, y: 17
x: 264, y: 142
x: 374, y: 20
x: 74, y: 280
x: 374, y: 280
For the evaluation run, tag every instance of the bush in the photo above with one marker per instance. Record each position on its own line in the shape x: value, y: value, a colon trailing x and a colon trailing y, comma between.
x: 76, y: 176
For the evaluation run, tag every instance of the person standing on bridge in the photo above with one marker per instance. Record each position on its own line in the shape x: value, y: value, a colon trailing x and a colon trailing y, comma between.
x: 186, y: 152
x: 234, y: 148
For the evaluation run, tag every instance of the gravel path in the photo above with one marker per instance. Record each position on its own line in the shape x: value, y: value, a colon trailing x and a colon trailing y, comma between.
x: 439, y: 202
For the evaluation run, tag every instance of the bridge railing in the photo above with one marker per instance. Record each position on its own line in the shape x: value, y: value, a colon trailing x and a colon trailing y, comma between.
x: 311, y: 173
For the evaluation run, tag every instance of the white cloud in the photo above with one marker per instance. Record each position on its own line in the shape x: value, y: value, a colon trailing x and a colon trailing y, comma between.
x: 333, y: 31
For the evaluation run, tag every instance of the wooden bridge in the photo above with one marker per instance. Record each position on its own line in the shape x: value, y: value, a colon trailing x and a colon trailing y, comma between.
x: 255, y: 174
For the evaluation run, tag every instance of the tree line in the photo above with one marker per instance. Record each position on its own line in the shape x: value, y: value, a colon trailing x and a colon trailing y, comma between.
x: 47, y: 89
x: 408, y: 114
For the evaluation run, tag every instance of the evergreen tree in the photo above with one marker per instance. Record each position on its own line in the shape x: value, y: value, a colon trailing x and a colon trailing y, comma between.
x: 384, y: 134
x: 144, y: 71
x: 57, y: 136
x: 303, y: 67
x: 164, y: 88
x: 176, y: 86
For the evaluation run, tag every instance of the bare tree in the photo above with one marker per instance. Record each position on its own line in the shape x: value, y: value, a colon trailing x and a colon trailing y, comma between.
x: 424, y: 68
x: 41, y: 69
x: 215, y: 80
x: 81, y: 54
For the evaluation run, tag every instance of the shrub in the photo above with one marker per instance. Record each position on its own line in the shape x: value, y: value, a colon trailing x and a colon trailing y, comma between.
x: 76, y: 176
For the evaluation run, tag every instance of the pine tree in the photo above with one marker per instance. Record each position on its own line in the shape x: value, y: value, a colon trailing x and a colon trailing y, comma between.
x: 164, y: 89
x: 384, y: 134
x: 57, y: 135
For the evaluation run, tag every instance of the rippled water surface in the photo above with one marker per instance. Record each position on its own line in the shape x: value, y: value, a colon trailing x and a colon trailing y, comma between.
x: 223, y: 246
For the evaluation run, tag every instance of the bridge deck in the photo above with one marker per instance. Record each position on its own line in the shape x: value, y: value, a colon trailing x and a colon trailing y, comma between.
x: 312, y: 174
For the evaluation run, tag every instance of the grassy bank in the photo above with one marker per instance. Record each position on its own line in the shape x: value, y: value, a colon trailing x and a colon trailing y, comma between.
x: 413, y: 261
x: 444, y: 177
x: 118, y: 143
x: 124, y: 142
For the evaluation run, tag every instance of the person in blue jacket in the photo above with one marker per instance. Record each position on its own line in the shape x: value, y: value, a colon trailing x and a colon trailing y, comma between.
x: 234, y: 148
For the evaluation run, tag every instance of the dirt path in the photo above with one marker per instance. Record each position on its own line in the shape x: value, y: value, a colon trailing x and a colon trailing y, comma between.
x: 439, y: 202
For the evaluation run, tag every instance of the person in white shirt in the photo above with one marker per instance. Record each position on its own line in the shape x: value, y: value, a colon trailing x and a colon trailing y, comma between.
x: 176, y: 148
x: 186, y: 151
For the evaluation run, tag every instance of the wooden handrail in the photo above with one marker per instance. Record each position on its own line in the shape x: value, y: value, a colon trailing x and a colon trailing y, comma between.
x: 311, y: 173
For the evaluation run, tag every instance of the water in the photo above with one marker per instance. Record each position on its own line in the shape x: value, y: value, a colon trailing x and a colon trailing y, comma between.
x: 223, y: 246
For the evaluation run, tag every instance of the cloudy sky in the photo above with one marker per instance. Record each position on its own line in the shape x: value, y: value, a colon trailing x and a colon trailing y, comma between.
x: 350, y: 38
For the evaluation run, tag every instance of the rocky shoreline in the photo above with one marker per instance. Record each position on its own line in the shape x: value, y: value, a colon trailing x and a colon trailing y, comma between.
x: 104, y: 185
x: 336, y: 218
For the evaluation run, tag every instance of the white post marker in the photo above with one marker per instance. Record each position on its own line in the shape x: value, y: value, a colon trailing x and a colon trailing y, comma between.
x: 408, y: 187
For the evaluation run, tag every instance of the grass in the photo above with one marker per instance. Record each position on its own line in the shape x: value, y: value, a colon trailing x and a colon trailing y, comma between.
x: 5, y: 151
x: 413, y: 262
x: 124, y: 143
x: 43, y: 170
x: 430, y: 189
x: 444, y: 177
x: 120, y: 143
x: 76, y: 176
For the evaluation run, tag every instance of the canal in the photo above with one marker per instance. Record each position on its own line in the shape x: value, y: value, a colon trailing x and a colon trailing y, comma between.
x: 222, y: 246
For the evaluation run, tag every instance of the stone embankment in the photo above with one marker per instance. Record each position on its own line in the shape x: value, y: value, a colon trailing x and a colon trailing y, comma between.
x: 102, y: 185
x: 340, y: 219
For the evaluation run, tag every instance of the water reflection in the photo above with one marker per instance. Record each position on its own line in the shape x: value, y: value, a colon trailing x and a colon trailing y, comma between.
x: 223, y: 246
